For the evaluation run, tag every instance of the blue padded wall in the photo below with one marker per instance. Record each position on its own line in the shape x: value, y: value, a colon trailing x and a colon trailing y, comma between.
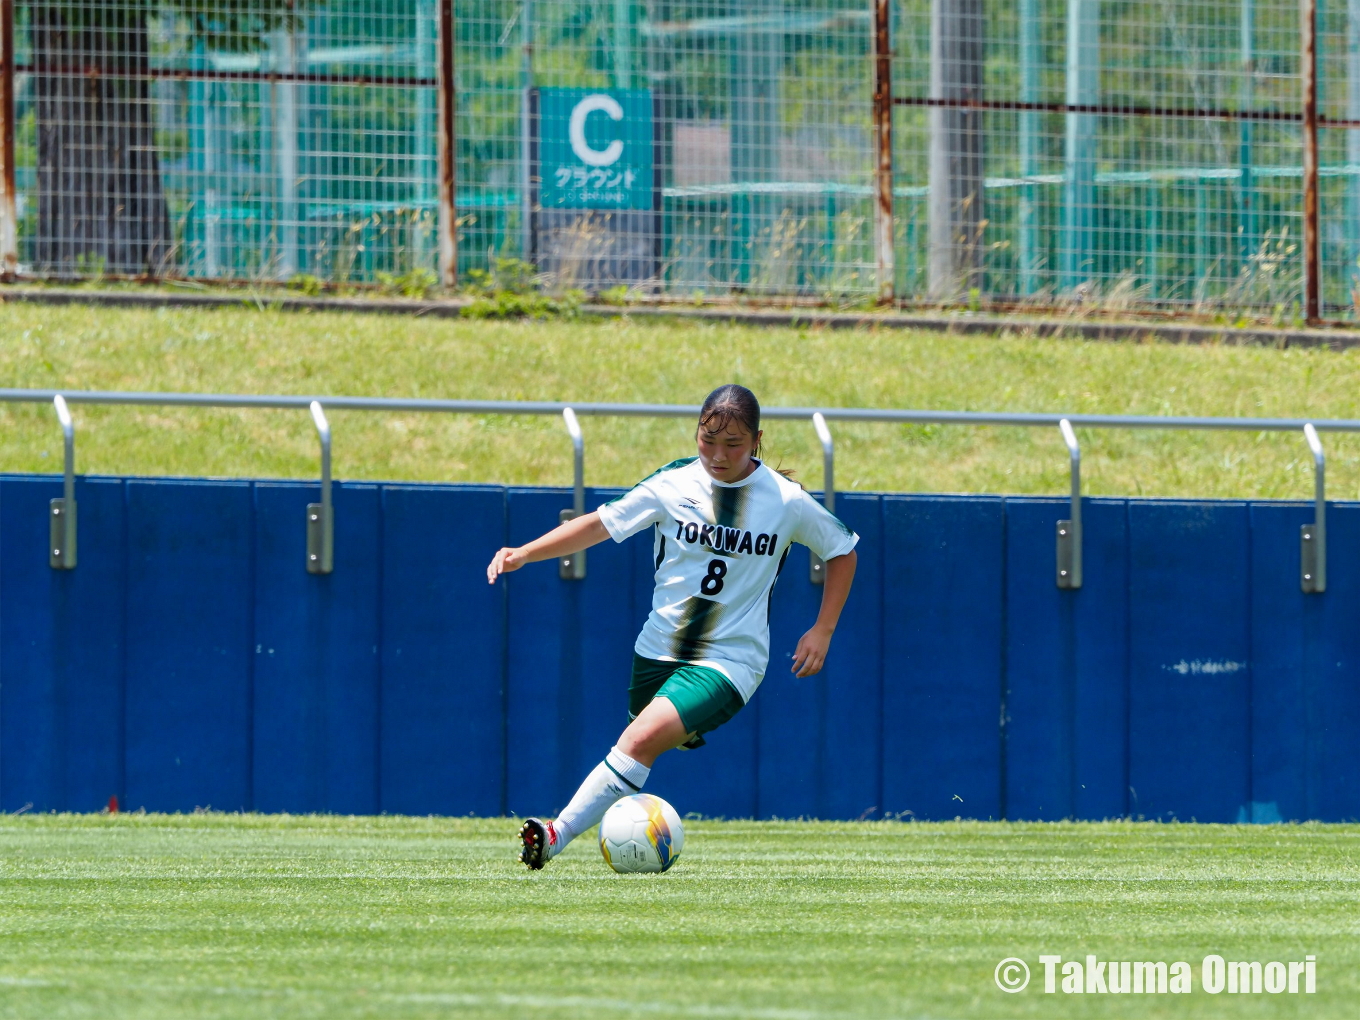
x: 791, y: 711
x: 316, y: 667
x: 443, y: 651
x: 1305, y: 701
x: 820, y: 736
x: 851, y: 777
x: 1066, y: 708
x: 61, y: 650
x: 943, y: 656
x: 191, y: 661
x: 1189, y: 660
x: 190, y: 580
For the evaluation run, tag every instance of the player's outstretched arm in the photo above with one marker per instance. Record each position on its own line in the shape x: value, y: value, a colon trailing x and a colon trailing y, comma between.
x: 563, y: 540
x: 810, y: 655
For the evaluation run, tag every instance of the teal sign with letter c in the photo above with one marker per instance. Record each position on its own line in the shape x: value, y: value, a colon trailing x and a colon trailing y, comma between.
x: 595, y: 148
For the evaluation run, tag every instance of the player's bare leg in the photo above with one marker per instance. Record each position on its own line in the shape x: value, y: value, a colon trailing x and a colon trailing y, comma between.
x: 656, y: 729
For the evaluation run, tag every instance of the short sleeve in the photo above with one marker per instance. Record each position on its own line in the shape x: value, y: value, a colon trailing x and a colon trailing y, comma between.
x: 626, y: 515
x: 822, y: 532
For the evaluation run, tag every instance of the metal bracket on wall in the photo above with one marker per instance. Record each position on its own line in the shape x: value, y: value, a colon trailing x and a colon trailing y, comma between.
x: 818, y: 568
x: 320, y: 516
x: 1069, y: 531
x: 1313, y: 537
x: 573, y: 567
x: 62, y: 512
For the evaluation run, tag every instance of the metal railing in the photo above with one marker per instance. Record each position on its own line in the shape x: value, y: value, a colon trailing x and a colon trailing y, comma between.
x: 320, y: 516
x: 573, y: 567
x: 1069, y: 531
x: 1313, y: 537
x: 817, y: 568
x: 63, y: 511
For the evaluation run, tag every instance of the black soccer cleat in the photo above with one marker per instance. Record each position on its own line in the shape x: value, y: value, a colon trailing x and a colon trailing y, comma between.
x: 534, y: 838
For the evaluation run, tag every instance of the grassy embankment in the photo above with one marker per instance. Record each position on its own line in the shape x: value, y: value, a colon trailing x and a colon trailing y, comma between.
x: 261, y: 351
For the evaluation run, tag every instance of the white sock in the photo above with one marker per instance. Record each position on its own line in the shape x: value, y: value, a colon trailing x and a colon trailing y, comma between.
x: 616, y: 777
x: 632, y: 772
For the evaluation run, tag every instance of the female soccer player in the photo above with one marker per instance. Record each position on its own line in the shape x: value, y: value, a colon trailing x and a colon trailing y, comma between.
x: 722, y: 524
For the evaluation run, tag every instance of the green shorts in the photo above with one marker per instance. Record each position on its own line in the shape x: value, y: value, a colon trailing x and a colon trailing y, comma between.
x: 704, y: 697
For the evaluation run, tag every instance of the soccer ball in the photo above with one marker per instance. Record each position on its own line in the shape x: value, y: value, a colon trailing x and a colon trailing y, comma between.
x: 641, y: 833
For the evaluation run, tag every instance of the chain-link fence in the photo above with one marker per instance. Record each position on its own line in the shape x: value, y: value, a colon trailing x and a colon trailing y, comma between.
x: 248, y: 140
x: 1142, y: 154
x: 1040, y: 152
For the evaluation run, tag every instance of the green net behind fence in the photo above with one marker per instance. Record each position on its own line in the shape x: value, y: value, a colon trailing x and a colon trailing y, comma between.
x: 1043, y: 151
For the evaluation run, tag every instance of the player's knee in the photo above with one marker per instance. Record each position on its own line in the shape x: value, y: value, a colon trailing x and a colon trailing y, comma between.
x: 638, y: 742
x: 645, y: 743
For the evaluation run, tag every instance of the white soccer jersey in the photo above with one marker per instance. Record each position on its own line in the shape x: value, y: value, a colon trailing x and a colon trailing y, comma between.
x: 719, y: 546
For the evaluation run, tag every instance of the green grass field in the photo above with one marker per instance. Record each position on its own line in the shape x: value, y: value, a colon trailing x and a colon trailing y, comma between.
x: 249, y: 350
x: 228, y: 916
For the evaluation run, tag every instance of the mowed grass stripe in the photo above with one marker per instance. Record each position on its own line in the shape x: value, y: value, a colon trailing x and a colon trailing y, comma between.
x: 242, y: 916
x: 250, y: 351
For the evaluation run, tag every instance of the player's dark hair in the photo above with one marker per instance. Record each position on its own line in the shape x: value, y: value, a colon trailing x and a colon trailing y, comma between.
x: 728, y: 404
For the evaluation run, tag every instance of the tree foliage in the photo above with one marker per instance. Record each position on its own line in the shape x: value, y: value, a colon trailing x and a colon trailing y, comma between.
x: 230, y: 26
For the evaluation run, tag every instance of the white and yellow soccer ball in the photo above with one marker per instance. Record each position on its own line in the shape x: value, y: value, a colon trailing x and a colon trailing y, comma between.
x: 641, y: 833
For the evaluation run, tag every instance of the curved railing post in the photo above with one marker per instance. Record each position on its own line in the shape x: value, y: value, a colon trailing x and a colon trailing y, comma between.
x: 573, y: 567
x: 320, y: 516
x: 818, y: 568
x: 1069, y: 531
x: 1313, y: 537
x: 62, y: 512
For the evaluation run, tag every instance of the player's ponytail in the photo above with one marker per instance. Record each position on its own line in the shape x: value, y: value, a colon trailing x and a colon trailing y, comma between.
x: 731, y: 403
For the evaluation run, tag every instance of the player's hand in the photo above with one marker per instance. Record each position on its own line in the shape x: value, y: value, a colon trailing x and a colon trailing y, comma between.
x: 810, y: 655
x: 504, y: 562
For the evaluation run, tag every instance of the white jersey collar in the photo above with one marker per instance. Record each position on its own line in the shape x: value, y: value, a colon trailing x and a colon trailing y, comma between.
x: 734, y: 485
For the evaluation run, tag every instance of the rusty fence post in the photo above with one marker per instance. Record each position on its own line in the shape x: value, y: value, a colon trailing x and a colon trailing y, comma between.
x: 1308, y: 71
x: 447, y: 151
x: 883, y: 119
x: 9, y: 220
